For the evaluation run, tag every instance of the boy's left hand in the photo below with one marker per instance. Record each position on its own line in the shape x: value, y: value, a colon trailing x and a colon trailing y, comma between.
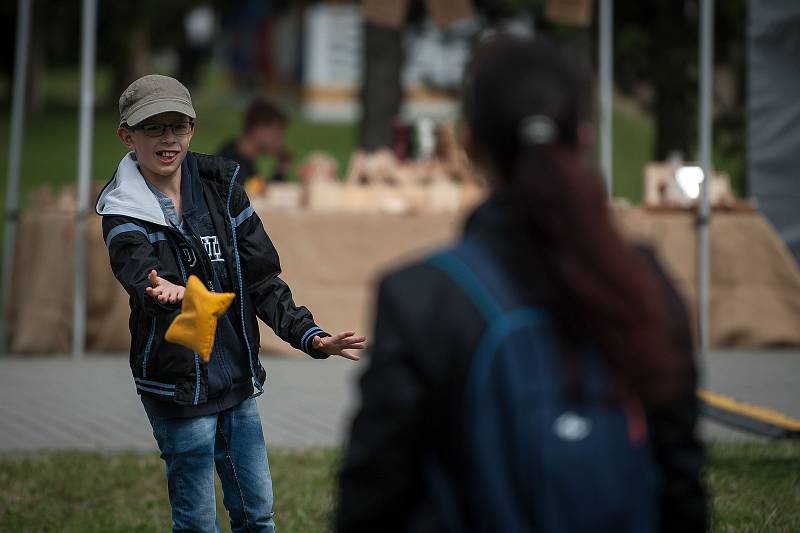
x: 339, y: 344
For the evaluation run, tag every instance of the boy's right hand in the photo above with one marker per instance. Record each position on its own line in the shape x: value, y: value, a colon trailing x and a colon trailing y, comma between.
x: 164, y: 291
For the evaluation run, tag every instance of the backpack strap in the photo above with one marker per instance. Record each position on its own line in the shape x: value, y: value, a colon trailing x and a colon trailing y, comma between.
x: 494, y: 275
x: 485, y: 282
x: 480, y: 277
x: 458, y: 271
x: 472, y: 267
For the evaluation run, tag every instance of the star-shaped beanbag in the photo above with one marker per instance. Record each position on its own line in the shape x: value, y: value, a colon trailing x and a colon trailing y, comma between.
x: 196, y: 324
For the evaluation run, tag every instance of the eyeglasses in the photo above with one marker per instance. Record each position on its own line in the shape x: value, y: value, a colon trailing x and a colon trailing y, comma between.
x: 157, y: 130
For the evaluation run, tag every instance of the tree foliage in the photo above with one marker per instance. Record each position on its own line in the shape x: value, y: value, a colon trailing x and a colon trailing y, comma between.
x: 655, y: 50
x: 656, y: 62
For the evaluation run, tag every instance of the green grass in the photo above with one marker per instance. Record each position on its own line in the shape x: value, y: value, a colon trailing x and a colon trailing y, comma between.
x: 51, y: 143
x: 73, y: 492
x: 633, y: 148
x: 755, y: 488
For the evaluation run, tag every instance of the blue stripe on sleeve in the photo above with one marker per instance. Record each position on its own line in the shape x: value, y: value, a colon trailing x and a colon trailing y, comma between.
x: 123, y: 228
x: 307, y: 336
x: 155, y: 237
x: 155, y: 391
x: 155, y: 383
x: 130, y: 226
x: 244, y: 215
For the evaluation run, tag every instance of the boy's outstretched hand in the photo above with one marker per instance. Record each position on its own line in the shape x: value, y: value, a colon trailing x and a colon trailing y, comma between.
x: 339, y: 344
x: 164, y: 291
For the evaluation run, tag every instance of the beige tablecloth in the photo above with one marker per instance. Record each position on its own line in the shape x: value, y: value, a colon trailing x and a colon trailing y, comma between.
x: 332, y: 261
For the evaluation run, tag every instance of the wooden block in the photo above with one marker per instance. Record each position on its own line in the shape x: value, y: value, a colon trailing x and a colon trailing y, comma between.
x: 661, y: 186
x: 417, y: 197
x: 283, y: 196
x: 388, y: 13
x: 472, y: 194
x: 569, y: 12
x: 359, y: 198
x: 324, y: 196
x: 355, y: 167
x: 447, y: 12
x: 444, y: 197
x: 318, y: 166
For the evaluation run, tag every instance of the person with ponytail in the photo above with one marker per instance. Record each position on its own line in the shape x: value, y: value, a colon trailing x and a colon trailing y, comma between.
x: 539, y: 375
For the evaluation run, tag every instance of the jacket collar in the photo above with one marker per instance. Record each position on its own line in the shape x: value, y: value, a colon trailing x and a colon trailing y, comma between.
x: 500, y: 226
x: 191, y: 188
x: 495, y: 217
x: 218, y: 170
x: 127, y: 193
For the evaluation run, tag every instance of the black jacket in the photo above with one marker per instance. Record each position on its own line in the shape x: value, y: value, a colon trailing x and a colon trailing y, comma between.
x: 247, y: 166
x: 413, y: 396
x: 139, y: 240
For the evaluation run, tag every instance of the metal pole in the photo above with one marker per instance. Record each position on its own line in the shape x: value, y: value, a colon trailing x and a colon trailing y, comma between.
x: 24, y: 8
x: 606, y: 66
x: 705, y: 138
x: 89, y: 25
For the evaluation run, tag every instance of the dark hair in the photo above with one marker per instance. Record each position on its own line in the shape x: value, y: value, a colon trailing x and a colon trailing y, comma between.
x: 524, y: 104
x: 263, y: 112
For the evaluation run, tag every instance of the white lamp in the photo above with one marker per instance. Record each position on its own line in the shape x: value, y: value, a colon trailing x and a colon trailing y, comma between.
x: 689, y: 179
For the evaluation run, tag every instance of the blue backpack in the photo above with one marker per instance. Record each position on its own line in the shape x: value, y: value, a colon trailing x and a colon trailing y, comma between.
x: 539, y: 460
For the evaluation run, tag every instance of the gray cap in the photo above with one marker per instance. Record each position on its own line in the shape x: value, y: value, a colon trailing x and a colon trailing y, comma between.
x: 151, y: 95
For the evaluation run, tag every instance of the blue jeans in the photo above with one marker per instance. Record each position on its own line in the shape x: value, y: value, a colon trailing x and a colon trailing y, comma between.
x: 232, y: 440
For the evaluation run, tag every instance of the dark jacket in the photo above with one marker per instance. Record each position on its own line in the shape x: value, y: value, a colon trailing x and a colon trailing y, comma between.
x: 247, y: 166
x: 413, y: 395
x: 139, y: 240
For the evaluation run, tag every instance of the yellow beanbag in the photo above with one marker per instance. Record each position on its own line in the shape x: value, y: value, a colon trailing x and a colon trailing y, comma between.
x: 196, y: 324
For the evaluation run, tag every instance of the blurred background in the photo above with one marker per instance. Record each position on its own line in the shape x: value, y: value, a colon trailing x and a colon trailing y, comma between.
x: 366, y: 95
x: 309, y: 56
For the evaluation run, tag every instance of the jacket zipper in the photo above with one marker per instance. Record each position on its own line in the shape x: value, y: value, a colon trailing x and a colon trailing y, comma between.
x: 204, y: 255
x: 239, y: 279
x: 196, y: 357
x: 148, y: 346
x: 206, y: 264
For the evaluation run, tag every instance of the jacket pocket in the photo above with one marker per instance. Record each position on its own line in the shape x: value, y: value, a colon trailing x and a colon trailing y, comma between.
x: 163, y: 360
x: 147, y: 349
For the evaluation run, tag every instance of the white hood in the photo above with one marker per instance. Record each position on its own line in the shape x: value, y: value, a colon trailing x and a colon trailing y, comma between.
x: 128, y: 194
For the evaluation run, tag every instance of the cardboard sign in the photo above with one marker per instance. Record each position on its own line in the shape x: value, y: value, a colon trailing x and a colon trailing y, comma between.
x: 446, y: 12
x: 388, y: 13
x: 569, y: 12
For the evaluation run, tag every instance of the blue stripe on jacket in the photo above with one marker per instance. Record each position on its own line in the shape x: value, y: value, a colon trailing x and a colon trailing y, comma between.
x: 130, y: 226
x: 244, y: 215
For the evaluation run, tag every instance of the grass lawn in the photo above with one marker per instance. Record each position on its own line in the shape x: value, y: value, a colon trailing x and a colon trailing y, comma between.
x: 51, y: 144
x: 73, y: 492
x: 756, y: 487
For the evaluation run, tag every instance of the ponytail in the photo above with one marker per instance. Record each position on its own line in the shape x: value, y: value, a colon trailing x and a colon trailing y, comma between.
x: 523, y: 103
x: 606, y: 291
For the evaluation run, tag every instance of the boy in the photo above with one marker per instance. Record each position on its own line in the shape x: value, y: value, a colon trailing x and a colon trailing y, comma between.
x: 263, y: 133
x: 167, y: 214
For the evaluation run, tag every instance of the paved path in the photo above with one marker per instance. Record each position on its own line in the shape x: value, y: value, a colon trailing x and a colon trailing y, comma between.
x: 767, y: 378
x: 57, y: 403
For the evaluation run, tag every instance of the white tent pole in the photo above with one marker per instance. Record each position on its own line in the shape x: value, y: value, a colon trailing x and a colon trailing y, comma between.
x: 24, y: 8
x: 606, y: 67
x: 88, y: 41
x: 705, y: 139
